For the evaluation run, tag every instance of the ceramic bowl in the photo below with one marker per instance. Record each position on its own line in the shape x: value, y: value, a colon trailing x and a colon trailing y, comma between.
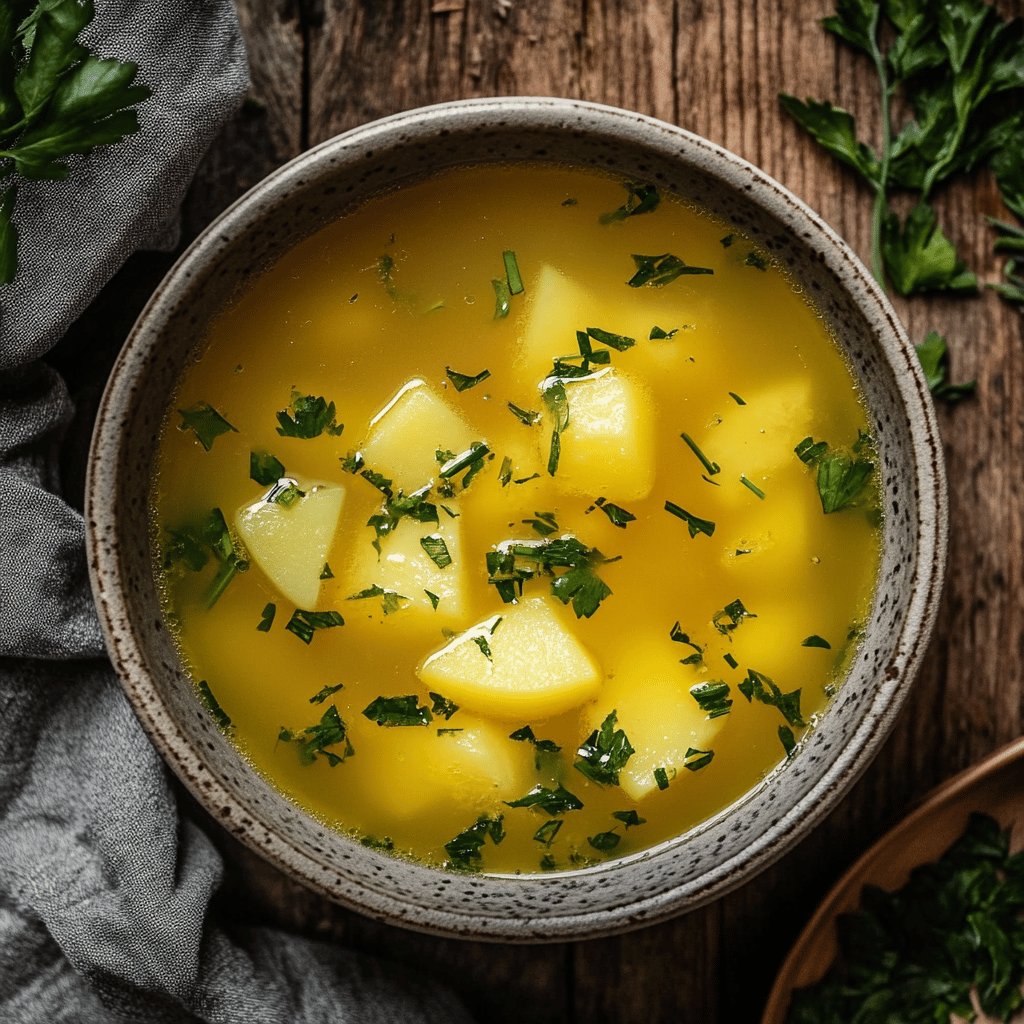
x: 319, y: 187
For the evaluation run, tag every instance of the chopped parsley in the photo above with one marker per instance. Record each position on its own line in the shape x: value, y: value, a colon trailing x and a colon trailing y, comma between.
x: 442, y: 706
x: 657, y: 271
x: 264, y: 468
x: 353, y: 462
x: 758, y: 686
x: 543, y: 523
x: 816, y: 641
x: 730, y: 617
x: 616, y: 513
x: 525, y: 416
x: 554, y: 452
x: 730, y: 660
x: 676, y: 634
x: 512, y: 275
x: 326, y: 573
x: 505, y: 473
x: 471, y: 459
x: 604, y: 841
x: 841, y: 480
x: 553, y: 801
x: 711, y: 468
x: 712, y: 697
x: 205, y: 422
x: 414, y: 506
x: 463, y: 381
x: 726, y: 241
x: 308, y: 416
x: 787, y: 739
x: 752, y: 487
x: 434, y: 599
x: 604, y: 753
x: 212, y: 705
x: 436, y: 548
x: 661, y: 777
x: 313, y: 741
x: 619, y: 342
x: 386, y: 844
x: 629, y: 818
x: 547, y: 832
x: 391, y: 600
x: 284, y: 493
x: 696, y: 759
x: 810, y: 451
x: 640, y: 198
x: 736, y: 398
x: 933, y: 354
x: 756, y: 259
x: 658, y: 334
x: 464, y: 851
x: 694, y: 523
x: 304, y: 624
x: 502, y: 299
x: 558, y: 405
x: 526, y: 734
x: 386, y: 274
x: 328, y: 691
x: 193, y: 545
x: 396, y: 711
x: 267, y: 617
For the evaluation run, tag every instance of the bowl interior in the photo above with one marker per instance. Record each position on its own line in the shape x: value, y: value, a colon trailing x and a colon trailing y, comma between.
x: 318, y: 188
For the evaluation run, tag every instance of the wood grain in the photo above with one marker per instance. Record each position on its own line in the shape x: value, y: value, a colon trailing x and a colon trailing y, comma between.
x: 323, y: 66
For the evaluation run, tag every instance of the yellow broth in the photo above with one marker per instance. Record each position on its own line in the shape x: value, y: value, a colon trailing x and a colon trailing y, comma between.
x: 334, y: 319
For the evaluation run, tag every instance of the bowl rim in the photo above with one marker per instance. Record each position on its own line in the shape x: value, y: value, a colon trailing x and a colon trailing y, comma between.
x: 769, y: 845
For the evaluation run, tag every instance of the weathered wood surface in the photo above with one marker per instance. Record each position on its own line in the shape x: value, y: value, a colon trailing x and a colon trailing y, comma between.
x: 322, y: 66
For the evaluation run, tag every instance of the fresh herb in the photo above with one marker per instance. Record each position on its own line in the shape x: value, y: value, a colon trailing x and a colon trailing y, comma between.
x: 385, y: 845
x: 442, y: 706
x: 712, y: 697
x: 816, y: 641
x: 464, y: 851
x: 264, y: 468
x: 313, y: 741
x: 554, y: 452
x: 919, y: 258
x: 436, y: 548
x: 787, y: 739
x: 328, y: 691
x: 661, y: 777
x: 58, y: 100
x: 449, y: 732
x: 547, y: 832
x: 395, y: 711
x: 841, y: 480
x: 204, y: 421
x: 604, y: 753
x: 726, y: 240
x: 502, y: 299
x: 485, y: 647
x: 730, y: 617
x: 678, y: 636
x: 414, y: 506
x: 639, y: 199
x: 604, y: 841
x: 308, y: 416
x: 947, y: 944
x: 304, y: 624
x: 450, y: 513
x: 193, y: 545
x: 285, y: 494
x: 553, y: 801
x: 212, y: 705
x: 353, y: 462
x: 657, y: 271
x: 810, y: 451
x: 326, y: 573
x: 694, y: 523
x: 512, y: 275
x: 619, y: 342
x: 386, y: 275
x: 730, y: 660
x: 756, y: 260
x: 697, y: 759
x: 752, y: 487
x: 711, y: 468
x: 933, y: 354
x: 758, y: 686
x: 462, y: 381
x: 525, y: 416
x: 472, y: 456
x: 267, y: 617
x: 736, y: 398
x: 629, y: 818
x: 543, y: 523
x: 526, y: 479
x: 558, y: 406
x: 434, y: 599
x: 391, y: 600
x: 657, y: 334
x: 526, y: 734
x: 505, y: 472
x: 615, y: 513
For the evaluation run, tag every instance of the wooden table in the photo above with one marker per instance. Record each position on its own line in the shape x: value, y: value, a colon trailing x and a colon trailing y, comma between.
x: 322, y: 66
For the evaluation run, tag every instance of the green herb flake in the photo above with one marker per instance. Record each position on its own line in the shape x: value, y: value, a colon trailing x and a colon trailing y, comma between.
x: 213, y: 706
x: 264, y: 468
x: 787, y: 739
x: 305, y: 623
x: 385, y: 844
x: 726, y: 620
x: 286, y: 494
x: 192, y: 546
x: 658, y: 271
x: 697, y: 759
x: 512, y: 275
x: 433, y: 598
x: 441, y: 706
x: 464, y: 851
x: 933, y: 354
x: 640, y: 199
x: 353, y: 462
x: 397, y: 711
x: 474, y: 455
x: 554, y: 452
x: 313, y: 741
x: 694, y: 523
x: 629, y: 818
x: 619, y: 342
x: 267, y: 617
x: 505, y: 473
x: 810, y: 452
x: 605, y: 842
x: 710, y: 467
x: 604, y: 753
x: 726, y: 241
x: 463, y: 381
x: 841, y: 480
x: 543, y: 523
x: 527, y: 417
x: 658, y: 334
x: 308, y: 416
x: 677, y: 635
x: 205, y: 422
x: 502, y: 299
x: 756, y: 260
x: 328, y: 691
x: 547, y: 832
x: 552, y: 800
x: 326, y: 573
x: 760, y: 687
x: 617, y: 515
x: 661, y: 777
x: 752, y: 487
x: 816, y: 641
x: 436, y: 548
x: 736, y: 398
x: 713, y: 698
x: 730, y: 660
x: 526, y: 734
x: 391, y: 600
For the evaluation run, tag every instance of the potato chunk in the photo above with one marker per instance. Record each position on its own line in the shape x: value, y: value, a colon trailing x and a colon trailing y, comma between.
x: 416, y: 772
x: 404, y: 436
x: 536, y: 666
x: 608, y: 447
x: 290, y: 543
x: 405, y: 567
x: 651, y: 696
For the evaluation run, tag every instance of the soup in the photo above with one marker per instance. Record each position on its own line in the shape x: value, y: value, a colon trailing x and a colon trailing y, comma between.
x: 521, y: 519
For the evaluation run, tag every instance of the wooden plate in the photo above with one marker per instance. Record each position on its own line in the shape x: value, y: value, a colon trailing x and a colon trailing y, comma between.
x: 995, y: 786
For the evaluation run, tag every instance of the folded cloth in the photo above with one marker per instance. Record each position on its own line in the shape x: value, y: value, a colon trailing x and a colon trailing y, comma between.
x: 105, y: 890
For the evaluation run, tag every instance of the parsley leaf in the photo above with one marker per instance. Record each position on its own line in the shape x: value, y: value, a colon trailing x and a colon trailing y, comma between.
x: 547, y: 832
x: 436, y: 548
x: 321, y: 695
x: 605, y: 842
x: 304, y: 624
x: 464, y: 851
x: 604, y: 753
x: 619, y: 342
x: 835, y: 130
x: 553, y: 801
x: 658, y: 271
x: 212, y: 705
x: 205, y: 422
x: 442, y: 706
x: 841, y: 480
x: 629, y: 818
x: 526, y: 734
x: 730, y: 617
x: 313, y: 741
x: 393, y: 711
x: 463, y: 381
x: 920, y: 258
x: 639, y: 199
x: 264, y: 468
x: 758, y: 686
x: 308, y: 416
x: 512, y: 275
x: 544, y: 523
x: 502, y: 299
x: 525, y: 416
x: 694, y: 523
x: 267, y: 617
x: 697, y: 759
x: 390, y: 599
x: 816, y: 641
x: 712, y: 697
x: 933, y: 354
x: 616, y: 514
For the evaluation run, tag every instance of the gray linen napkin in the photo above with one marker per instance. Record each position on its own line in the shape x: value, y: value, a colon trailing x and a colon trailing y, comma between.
x: 104, y: 889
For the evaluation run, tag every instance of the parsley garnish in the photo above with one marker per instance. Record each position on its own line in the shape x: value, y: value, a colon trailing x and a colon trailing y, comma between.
x: 726, y: 240
x: 810, y: 451
x: 736, y: 398
x: 205, y: 422
x: 512, y: 275
x: 442, y: 706
x: 308, y: 416
x: 661, y: 777
x: 464, y: 850
x: 304, y: 624
x: 285, y: 494
x: 730, y: 660
x: 694, y: 523
x: 710, y: 467
x: 433, y: 598
x: 618, y: 515
x: 267, y: 617
x: 394, y: 711
x: 386, y: 274
x: 841, y: 479
x: 526, y: 734
x: 414, y: 506
x: 353, y: 462
x: 213, y: 706
x: 58, y: 100
x: 463, y: 381
x: 554, y: 801
x: 816, y: 641
x: 547, y: 832
x: 756, y: 260
x: 264, y: 468
x: 436, y: 548
x: 391, y: 600
x: 505, y: 473
x: 730, y: 617
x: 525, y: 416
x: 639, y: 199
x: 385, y: 845
x: 604, y: 753
x: 712, y: 697
x: 313, y: 741
x: 604, y: 841
x: 752, y: 487
x: 676, y: 633
x: 697, y: 759
x: 326, y: 573
x: 321, y: 695
x: 619, y: 342
x: 787, y: 739
x: 558, y: 405
x: 544, y: 523
x: 502, y: 299
x: 658, y: 334
x: 657, y: 271
x: 758, y: 686
x: 933, y: 355
x: 193, y: 545
x: 629, y: 818
x: 470, y: 458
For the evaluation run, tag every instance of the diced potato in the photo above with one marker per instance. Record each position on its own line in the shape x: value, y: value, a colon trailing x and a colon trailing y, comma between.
x: 406, y: 568
x: 537, y: 668
x: 290, y: 543
x: 651, y: 695
x: 416, y: 772
x: 608, y: 447
x: 404, y: 436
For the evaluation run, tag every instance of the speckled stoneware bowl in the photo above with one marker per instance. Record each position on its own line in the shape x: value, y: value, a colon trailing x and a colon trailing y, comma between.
x: 321, y: 186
